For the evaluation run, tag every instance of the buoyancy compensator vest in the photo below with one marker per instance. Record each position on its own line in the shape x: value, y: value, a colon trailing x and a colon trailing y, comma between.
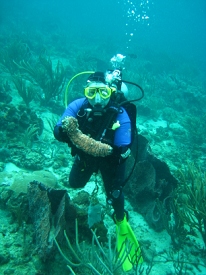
x: 98, y: 127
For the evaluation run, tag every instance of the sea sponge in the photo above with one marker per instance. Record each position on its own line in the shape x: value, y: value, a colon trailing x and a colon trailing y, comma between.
x: 82, y: 141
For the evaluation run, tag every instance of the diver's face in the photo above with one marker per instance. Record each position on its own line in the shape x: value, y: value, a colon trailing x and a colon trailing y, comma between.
x: 98, y: 100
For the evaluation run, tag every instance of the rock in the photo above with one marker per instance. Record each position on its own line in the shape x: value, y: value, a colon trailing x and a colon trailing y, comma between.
x: 150, y: 181
x: 4, y: 258
x: 21, y: 181
x: 9, y: 271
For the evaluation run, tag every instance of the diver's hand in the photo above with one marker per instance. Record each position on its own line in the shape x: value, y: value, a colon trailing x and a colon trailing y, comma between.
x: 88, y: 145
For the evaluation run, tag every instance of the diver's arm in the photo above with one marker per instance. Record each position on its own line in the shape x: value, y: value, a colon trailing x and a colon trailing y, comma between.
x: 121, y: 149
x: 122, y: 138
x: 60, y: 135
x: 71, y: 111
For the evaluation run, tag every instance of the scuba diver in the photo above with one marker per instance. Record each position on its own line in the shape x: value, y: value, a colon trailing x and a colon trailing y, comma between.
x: 99, y: 131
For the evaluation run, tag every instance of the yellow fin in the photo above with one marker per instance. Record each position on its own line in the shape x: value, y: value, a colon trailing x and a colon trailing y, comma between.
x: 126, y: 238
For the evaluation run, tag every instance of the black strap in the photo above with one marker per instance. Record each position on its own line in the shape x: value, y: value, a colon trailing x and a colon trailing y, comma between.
x: 109, y: 119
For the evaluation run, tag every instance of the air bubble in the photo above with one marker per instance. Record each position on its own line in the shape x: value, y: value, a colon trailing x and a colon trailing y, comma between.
x: 136, y: 12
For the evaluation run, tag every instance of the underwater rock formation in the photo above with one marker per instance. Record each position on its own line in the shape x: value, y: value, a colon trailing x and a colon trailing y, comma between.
x: 150, y: 181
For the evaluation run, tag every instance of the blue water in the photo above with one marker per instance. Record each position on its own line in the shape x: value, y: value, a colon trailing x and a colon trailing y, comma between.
x: 165, y: 45
x: 173, y: 27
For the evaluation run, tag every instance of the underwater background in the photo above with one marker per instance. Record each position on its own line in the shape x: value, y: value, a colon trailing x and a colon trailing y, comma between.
x: 43, y: 44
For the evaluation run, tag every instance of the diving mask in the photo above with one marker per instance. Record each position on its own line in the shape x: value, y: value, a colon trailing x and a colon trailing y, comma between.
x: 104, y: 92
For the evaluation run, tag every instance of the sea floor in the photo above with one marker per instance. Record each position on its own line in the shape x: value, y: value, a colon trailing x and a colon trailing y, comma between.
x: 17, y: 248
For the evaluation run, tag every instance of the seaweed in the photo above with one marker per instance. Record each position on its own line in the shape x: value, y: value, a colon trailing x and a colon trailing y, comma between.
x: 96, y: 258
x: 195, y: 127
x: 190, y: 198
x: 51, y: 81
x: 29, y: 135
x: 180, y: 263
x: 172, y: 223
x: 27, y: 92
x: 12, y: 53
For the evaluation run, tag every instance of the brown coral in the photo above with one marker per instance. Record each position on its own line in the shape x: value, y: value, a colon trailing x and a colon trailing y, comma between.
x: 82, y: 141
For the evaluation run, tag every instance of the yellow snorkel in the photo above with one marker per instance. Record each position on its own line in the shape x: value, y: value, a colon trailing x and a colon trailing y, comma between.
x: 67, y: 87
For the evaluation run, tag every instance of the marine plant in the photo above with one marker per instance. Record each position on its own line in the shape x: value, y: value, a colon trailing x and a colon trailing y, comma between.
x: 29, y: 134
x: 195, y: 127
x: 172, y: 223
x: 96, y: 258
x: 180, y: 262
x: 26, y: 91
x: 4, y: 86
x: 99, y: 259
x: 190, y: 198
x: 5, y: 91
x: 51, y: 81
x: 13, y: 52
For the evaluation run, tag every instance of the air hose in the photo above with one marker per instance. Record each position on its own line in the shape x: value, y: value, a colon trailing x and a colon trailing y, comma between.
x: 67, y: 87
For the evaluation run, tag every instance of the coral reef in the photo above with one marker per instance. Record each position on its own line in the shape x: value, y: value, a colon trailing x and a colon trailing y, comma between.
x: 15, y: 51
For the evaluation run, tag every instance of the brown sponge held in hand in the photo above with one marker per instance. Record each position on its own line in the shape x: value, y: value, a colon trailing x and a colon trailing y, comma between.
x: 88, y: 145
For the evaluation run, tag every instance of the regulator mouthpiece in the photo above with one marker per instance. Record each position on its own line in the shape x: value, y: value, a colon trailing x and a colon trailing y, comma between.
x: 113, y: 77
x: 118, y: 61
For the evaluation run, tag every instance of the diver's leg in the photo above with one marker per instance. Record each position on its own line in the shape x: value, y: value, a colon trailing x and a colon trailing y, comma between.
x: 113, y: 176
x: 81, y: 172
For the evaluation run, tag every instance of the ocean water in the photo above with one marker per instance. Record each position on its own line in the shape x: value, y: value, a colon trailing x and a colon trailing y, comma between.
x: 164, y: 42
x: 169, y: 26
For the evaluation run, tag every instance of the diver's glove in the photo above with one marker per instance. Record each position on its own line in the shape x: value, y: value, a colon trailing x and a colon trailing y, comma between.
x: 121, y: 153
x: 88, y: 145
